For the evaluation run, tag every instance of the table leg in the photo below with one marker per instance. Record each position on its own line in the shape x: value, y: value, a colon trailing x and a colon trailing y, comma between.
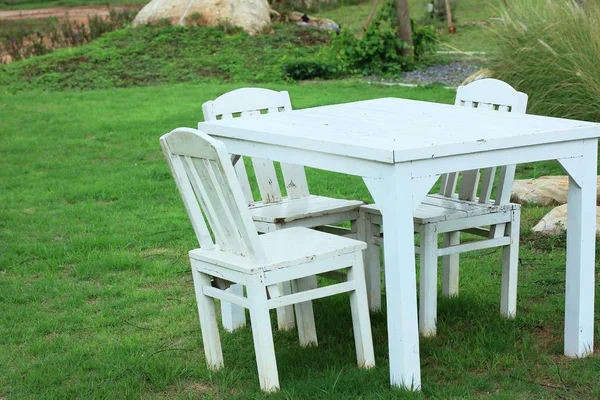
x: 394, y: 197
x: 581, y: 246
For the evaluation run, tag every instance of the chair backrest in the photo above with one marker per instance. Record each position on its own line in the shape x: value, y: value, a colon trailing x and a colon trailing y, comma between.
x: 207, y: 184
x: 248, y: 102
x: 495, y: 95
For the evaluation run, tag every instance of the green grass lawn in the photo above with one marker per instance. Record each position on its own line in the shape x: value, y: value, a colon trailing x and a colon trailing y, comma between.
x: 96, y: 294
x: 153, y: 55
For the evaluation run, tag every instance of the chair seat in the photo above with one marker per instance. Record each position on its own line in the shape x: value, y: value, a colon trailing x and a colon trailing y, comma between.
x: 284, y: 248
x: 305, y: 207
x: 437, y: 208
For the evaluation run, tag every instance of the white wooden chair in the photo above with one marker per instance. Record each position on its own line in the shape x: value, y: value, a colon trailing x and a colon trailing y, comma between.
x: 206, y: 181
x: 275, y: 211
x: 469, y: 208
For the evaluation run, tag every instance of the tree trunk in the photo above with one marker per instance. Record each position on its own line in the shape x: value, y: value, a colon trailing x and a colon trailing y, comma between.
x: 451, y: 28
x: 403, y: 26
x: 440, y: 9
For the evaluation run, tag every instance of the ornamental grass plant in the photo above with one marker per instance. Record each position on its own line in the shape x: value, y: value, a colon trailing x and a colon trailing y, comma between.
x: 550, y: 49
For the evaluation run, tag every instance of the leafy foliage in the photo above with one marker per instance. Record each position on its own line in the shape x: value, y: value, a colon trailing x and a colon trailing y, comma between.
x: 549, y: 50
x: 424, y: 40
x: 379, y: 49
x: 303, y: 70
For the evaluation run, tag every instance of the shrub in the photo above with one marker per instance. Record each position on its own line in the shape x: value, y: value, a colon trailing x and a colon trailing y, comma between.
x: 549, y: 49
x: 378, y: 51
x: 303, y: 70
x: 424, y: 40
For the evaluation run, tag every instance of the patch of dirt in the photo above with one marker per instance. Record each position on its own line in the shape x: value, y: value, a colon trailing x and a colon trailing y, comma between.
x: 79, y: 14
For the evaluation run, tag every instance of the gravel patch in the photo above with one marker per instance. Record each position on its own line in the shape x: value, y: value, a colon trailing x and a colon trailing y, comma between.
x: 451, y: 74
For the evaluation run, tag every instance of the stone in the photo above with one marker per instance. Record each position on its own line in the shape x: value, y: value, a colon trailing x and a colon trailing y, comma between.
x: 251, y: 15
x: 302, y: 19
x: 545, y: 190
x: 555, y: 222
x: 303, y: 4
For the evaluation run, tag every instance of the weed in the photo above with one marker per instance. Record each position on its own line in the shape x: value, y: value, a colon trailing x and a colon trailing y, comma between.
x: 549, y: 50
x: 196, y: 19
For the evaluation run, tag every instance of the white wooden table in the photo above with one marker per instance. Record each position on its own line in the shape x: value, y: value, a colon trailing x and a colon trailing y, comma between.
x: 400, y: 147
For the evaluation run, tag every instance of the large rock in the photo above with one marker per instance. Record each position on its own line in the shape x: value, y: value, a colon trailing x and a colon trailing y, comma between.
x: 555, y: 221
x: 303, y: 4
x: 302, y: 19
x: 545, y: 190
x: 251, y: 15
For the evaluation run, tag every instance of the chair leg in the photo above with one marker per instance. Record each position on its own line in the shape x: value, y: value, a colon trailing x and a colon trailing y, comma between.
x: 510, y: 267
x: 208, y: 321
x: 366, y: 231
x: 285, y: 315
x: 363, y: 339
x: 428, y: 281
x: 263, y: 336
x: 451, y: 268
x: 233, y: 316
x: 307, y: 333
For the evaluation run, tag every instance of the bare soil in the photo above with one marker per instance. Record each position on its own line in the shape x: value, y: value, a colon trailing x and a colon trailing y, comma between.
x: 79, y: 14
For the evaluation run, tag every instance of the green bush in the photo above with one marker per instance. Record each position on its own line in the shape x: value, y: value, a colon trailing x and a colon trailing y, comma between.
x: 424, y: 40
x: 379, y: 50
x: 303, y: 70
x: 550, y: 49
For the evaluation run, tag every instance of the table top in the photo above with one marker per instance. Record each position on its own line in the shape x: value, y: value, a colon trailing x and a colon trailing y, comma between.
x: 393, y: 130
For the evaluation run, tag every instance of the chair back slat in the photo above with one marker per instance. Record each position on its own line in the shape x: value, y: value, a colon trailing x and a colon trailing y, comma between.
x: 189, y: 200
x: 249, y: 102
x: 449, y: 184
x: 266, y: 177
x: 493, y: 95
x: 468, y: 186
x: 505, y: 183
x: 216, y: 205
x: 487, y: 183
x: 295, y: 181
x: 201, y: 163
x: 242, y: 176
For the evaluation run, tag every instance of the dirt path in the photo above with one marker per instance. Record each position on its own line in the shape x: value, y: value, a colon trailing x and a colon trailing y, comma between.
x: 79, y: 14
